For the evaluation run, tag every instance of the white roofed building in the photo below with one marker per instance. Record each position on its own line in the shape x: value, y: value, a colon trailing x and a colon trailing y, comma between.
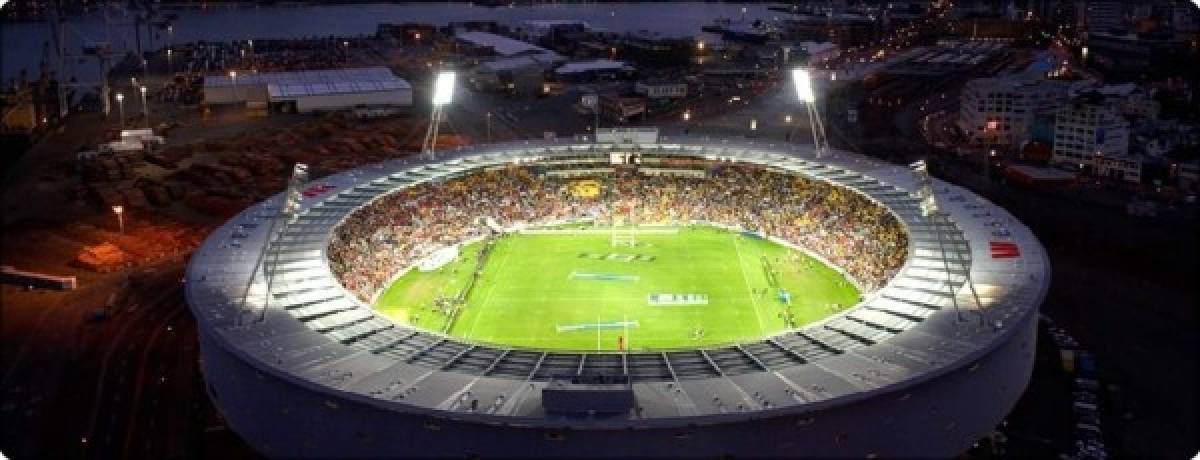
x: 660, y: 89
x: 489, y: 44
x: 591, y: 70
x: 311, y: 90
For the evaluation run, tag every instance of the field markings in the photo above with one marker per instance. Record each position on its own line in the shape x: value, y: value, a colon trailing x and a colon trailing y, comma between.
x: 487, y: 300
x: 754, y: 301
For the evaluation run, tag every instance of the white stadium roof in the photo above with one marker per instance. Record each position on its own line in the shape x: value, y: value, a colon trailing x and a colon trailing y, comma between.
x: 923, y: 365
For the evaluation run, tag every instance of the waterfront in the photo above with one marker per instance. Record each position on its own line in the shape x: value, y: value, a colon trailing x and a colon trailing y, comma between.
x: 241, y: 22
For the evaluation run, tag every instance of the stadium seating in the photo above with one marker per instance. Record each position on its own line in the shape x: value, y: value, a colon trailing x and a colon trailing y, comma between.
x: 843, y: 227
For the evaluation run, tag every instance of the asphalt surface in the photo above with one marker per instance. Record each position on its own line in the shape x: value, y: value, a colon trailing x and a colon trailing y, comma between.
x: 123, y: 387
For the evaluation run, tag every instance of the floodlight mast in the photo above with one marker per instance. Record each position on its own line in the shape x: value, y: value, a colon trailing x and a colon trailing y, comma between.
x: 443, y: 94
x: 802, y: 78
x: 289, y: 205
x: 930, y: 209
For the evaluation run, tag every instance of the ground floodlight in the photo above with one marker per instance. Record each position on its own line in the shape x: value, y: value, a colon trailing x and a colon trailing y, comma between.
x: 443, y: 88
x: 803, y: 81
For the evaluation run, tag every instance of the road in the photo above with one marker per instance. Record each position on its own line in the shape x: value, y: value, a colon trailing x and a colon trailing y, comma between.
x: 125, y: 387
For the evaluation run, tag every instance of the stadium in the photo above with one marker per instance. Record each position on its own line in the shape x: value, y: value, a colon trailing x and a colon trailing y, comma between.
x: 646, y: 296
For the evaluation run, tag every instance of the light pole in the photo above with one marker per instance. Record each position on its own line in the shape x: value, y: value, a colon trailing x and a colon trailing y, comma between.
x: 120, y: 212
x: 443, y: 94
x: 489, y: 127
x: 806, y: 95
x: 145, y: 107
x: 170, y: 68
x: 121, y: 109
x: 233, y: 76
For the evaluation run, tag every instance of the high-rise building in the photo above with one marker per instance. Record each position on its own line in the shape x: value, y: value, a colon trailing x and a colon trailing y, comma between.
x: 1000, y: 111
x: 1087, y: 129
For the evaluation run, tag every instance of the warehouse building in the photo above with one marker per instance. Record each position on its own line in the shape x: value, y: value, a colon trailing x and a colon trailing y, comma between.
x: 311, y: 90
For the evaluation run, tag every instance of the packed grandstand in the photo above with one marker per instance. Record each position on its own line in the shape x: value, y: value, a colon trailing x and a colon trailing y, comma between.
x: 396, y: 231
x: 918, y: 367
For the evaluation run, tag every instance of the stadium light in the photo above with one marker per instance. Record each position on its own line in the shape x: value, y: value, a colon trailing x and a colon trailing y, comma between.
x: 803, y: 81
x: 443, y: 89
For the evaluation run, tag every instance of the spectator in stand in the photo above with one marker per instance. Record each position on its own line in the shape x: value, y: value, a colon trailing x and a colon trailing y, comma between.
x: 843, y: 227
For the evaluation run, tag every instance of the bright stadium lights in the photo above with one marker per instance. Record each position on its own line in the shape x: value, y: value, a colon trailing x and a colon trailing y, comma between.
x: 805, y: 94
x: 443, y: 93
x: 803, y: 81
x: 443, y: 89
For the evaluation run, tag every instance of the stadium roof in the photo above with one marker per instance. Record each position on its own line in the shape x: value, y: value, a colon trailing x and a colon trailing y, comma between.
x: 1013, y: 287
x: 327, y: 81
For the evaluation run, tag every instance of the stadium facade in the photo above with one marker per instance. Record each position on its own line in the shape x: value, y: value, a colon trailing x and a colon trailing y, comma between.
x: 924, y: 366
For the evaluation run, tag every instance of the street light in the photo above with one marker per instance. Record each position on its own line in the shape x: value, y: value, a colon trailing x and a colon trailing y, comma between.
x: 233, y: 76
x: 687, y: 115
x: 145, y: 107
x: 170, y: 69
x: 121, y: 108
x: 120, y: 212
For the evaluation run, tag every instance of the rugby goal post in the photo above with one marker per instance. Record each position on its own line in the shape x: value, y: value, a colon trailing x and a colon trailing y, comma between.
x: 624, y: 237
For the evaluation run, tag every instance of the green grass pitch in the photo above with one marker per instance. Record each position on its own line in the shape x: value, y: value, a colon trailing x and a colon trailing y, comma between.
x: 579, y: 292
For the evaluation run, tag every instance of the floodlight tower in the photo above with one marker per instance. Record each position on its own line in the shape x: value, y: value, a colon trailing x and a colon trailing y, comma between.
x: 443, y: 93
x: 289, y: 204
x: 929, y: 209
x: 805, y: 94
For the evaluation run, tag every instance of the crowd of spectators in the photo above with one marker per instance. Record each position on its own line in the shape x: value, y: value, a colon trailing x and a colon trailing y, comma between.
x: 398, y: 230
